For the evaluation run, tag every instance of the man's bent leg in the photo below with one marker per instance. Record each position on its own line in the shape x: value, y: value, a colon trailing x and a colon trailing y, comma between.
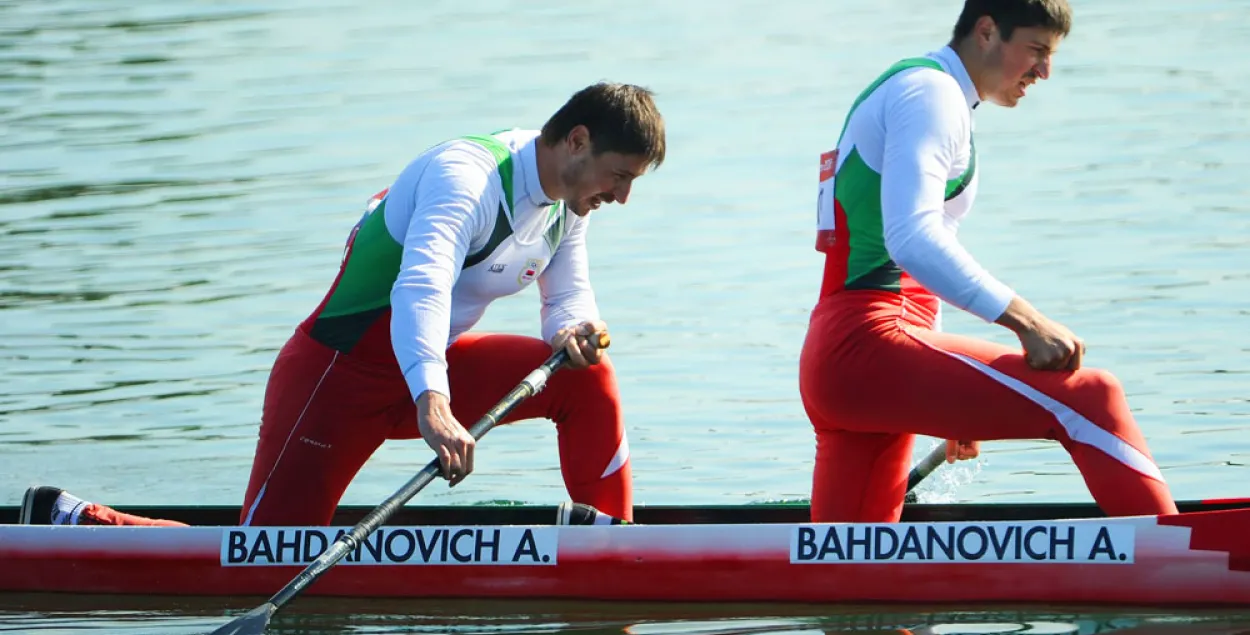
x: 859, y: 476
x: 955, y: 387
x: 321, y: 422
x: 96, y: 514
x: 47, y: 505
x: 1086, y: 411
x: 594, y: 451
x: 584, y: 404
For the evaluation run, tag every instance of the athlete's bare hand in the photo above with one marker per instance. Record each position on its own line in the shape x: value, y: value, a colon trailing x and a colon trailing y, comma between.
x: 1051, y: 346
x: 962, y: 450
x: 1048, y: 345
x: 582, y: 343
x: 449, y: 440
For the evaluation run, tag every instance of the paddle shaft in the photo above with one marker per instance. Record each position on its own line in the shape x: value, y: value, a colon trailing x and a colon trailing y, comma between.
x: 531, y: 385
x: 923, y: 469
x: 256, y: 621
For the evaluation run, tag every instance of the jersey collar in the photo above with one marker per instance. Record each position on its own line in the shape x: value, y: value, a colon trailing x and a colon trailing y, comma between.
x: 949, y: 59
x: 528, y: 156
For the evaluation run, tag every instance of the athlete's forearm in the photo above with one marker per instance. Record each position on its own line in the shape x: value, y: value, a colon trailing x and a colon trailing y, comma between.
x: 931, y: 255
x: 420, y: 331
x: 1019, y: 316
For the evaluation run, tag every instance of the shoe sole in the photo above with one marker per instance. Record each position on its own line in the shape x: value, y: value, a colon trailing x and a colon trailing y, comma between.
x: 28, y: 507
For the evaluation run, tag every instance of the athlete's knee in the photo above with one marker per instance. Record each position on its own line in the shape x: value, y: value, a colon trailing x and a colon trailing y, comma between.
x: 821, y: 424
x: 1098, y: 386
x: 585, y: 394
x: 597, y: 382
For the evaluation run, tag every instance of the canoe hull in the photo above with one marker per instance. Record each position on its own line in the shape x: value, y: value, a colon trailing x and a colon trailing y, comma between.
x: 1190, y: 559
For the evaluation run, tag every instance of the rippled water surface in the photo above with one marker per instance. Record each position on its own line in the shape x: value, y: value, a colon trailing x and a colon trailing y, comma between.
x: 177, y: 180
x: 100, y: 615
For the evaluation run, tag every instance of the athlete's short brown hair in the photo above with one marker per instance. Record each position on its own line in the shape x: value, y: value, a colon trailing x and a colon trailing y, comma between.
x: 621, y: 118
x: 1009, y: 15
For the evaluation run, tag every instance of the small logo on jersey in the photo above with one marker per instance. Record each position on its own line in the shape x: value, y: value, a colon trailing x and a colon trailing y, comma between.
x: 532, y: 267
x: 828, y: 163
x: 497, y: 267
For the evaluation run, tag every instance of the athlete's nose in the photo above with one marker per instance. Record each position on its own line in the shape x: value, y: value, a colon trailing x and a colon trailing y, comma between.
x: 1043, y: 68
x: 621, y: 192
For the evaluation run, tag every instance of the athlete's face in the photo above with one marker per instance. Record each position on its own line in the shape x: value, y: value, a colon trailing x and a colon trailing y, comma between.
x: 591, y: 180
x: 1016, y: 64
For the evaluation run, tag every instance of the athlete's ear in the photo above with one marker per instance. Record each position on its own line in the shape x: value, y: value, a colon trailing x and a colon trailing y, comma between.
x: 578, y: 140
x: 985, y: 31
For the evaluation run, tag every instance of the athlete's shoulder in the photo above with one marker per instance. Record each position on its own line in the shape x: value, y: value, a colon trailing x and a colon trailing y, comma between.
x: 486, y: 151
x: 515, y: 138
x: 455, y: 167
x: 456, y: 164
x: 929, y: 97
x: 932, y: 82
x: 463, y: 150
x: 498, y: 144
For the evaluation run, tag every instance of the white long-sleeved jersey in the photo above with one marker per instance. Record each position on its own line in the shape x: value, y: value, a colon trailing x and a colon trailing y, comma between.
x: 902, y: 177
x: 465, y: 223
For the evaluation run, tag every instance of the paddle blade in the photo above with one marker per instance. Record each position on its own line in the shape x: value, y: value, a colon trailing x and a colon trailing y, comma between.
x: 254, y: 622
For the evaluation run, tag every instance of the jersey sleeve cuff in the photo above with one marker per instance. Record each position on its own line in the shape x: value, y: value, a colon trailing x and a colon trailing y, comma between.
x: 423, y: 376
x: 992, y: 300
x: 552, y: 326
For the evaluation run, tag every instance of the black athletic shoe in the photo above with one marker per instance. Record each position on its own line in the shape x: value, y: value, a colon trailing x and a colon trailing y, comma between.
x: 38, y: 505
x: 570, y: 513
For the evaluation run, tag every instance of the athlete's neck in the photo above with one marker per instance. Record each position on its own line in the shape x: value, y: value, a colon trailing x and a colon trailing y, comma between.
x: 548, y: 161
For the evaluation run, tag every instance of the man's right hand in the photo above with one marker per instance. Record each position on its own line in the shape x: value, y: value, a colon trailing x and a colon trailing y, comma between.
x: 449, y: 440
x: 1048, y: 345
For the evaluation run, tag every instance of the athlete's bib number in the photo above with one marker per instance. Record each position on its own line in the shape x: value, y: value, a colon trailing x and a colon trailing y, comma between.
x: 826, y: 219
x: 824, y: 205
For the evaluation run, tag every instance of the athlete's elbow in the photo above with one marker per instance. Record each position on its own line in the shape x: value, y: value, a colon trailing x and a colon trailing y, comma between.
x: 415, y: 284
x: 901, y: 248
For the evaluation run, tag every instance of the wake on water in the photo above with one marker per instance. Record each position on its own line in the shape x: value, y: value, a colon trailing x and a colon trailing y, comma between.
x: 943, y: 485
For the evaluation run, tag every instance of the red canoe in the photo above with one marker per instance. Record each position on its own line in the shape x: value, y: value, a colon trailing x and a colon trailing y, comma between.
x: 941, y: 553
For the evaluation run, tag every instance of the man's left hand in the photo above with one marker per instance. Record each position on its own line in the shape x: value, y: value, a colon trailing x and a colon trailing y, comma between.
x: 962, y: 450
x: 581, y: 342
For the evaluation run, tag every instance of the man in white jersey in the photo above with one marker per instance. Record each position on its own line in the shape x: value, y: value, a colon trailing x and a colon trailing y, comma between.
x: 467, y: 222
x: 874, y: 370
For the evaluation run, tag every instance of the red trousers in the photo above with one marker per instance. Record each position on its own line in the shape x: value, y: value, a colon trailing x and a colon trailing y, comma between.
x: 873, y: 373
x: 325, y: 413
x: 96, y: 514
